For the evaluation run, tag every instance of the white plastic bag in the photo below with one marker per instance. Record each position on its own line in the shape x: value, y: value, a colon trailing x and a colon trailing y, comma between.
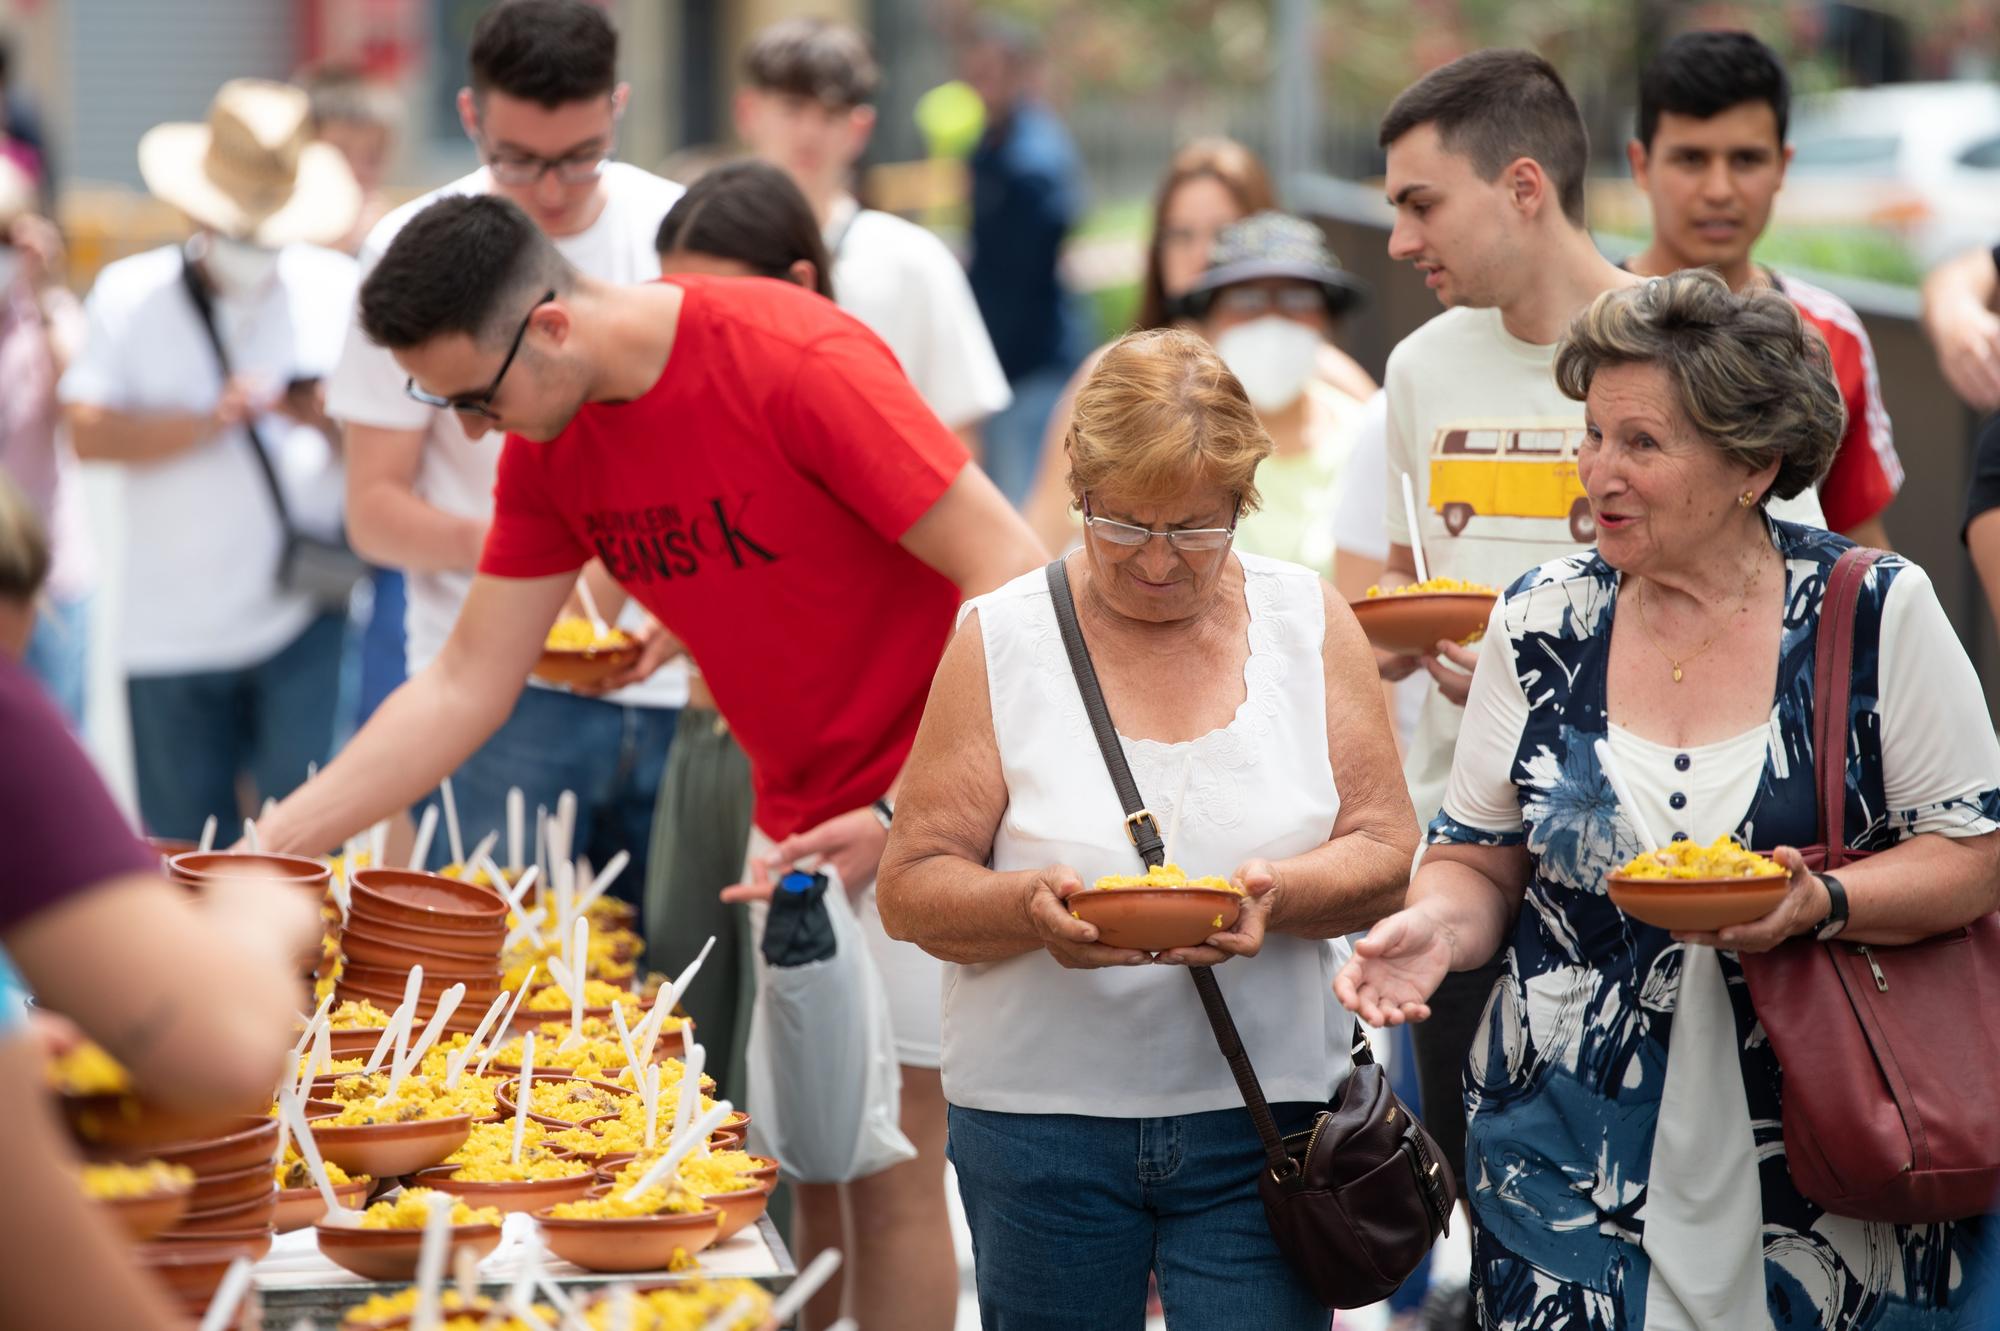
x: 824, y: 1089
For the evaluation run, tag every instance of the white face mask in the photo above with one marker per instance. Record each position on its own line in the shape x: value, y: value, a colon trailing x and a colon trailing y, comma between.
x: 1273, y: 357
x: 240, y: 271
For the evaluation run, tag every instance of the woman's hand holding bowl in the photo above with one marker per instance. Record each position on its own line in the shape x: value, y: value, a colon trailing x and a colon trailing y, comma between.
x: 1396, y: 969
x: 1258, y: 882
x: 1805, y: 903
x: 1072, y: 942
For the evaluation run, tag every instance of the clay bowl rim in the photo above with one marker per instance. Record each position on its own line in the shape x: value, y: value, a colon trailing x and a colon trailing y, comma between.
x: 291, y: 1199
x: 472, y: 942
x: 431, y: 959
x: 1228, y: 904
x: 377, y: 902
x: 434, y: 984
x: 293, y: 865
x: 198, y: 1250
x: 509, y: 1107
x: 241, y: 1139
x: 250, y: 1212
x: 393, y: 1241
x: 759, y: 1198
x: 542, y: 1192
x: 1643, y: 893
x: 1369, y: 606
x: 355, y: 1135
x: 659, y: 1226
x: 146, y: 1215
x: 425, y: 1007
x: 229, y: 1183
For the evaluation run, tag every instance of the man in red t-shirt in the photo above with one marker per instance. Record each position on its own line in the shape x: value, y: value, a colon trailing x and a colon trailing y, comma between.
x: 753, y: 467
x: 1710, y: 156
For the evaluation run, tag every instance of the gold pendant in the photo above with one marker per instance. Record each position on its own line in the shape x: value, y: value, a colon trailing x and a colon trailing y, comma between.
x: 1677, y: 674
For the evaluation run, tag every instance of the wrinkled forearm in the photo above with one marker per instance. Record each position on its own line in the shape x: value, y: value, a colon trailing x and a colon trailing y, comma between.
x: 952, y: 908
x: 1342, y: 887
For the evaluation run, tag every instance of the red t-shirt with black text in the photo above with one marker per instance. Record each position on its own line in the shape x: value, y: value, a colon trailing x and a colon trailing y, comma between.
x: 752, y: 500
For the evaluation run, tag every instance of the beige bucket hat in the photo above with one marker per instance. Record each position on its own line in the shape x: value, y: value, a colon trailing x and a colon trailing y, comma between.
x: 252, y: 172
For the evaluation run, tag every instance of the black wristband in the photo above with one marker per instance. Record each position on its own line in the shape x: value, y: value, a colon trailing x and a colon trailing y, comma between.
x: 1836, y: 915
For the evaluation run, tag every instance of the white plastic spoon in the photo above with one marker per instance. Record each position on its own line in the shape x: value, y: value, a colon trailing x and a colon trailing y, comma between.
x: 431, y: 1259
x: 250, y: 836
x: 426, y: 830
x: 451, y: 834
x: 1416, y: 538
x: 207, y: 835
x: 500, y: 1036
x: 678, y: 1148
x: 787, y: 1305
x: 517, y: 816
x: 294, y: 1110
x: 456, y: 1061
x: 527, y: 1085
x: 222, y: 1308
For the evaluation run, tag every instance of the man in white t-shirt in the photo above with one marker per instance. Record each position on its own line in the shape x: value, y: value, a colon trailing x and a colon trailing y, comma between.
x: 231, y: 673
x: 1486, y: 163
x: 543, y: 108
x: 806, y: 107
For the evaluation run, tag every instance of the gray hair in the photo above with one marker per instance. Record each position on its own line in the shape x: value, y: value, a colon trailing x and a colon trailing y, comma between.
x: 1751, y: 376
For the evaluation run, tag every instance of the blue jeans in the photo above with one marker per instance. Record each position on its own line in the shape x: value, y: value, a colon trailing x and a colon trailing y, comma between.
x: 1070, y: 1214
x: 1012, y: 436
x: 382, y: 647
x: 59, y: 653
x: 611, y: 755
x: 194, y: 735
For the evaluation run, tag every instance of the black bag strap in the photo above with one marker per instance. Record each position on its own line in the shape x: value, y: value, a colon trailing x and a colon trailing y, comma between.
x: 205, y: 307
x: 1142, y: 828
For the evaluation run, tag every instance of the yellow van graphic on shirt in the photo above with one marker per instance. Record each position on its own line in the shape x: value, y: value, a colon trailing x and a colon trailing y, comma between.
x: 1515, y: 469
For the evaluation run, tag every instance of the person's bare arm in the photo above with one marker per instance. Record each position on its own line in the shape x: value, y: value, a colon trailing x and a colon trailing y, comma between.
x: 105, y: 434
x: 196, y: 999
x: 430, y: 725
x: 386, y: 520
x: 1461, y: 904
x: 1961, y: 296
x: 1982, y: 541
x: 933, y: 888
x: 63, y: 1261
x: 974, y: 537
x: 971, y: 435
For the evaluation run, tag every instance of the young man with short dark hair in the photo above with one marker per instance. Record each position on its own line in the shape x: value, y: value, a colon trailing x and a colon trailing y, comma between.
x: 807, y: 105
x: 751, y: 464
x: 1710, y: 156
x: 543, y: 107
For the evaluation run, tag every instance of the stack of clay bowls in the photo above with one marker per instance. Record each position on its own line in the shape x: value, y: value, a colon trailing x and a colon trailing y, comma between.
x: 229, y: 1214
x: 399, y: 919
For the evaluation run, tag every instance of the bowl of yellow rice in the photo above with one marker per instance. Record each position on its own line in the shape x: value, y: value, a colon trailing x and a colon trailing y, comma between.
x: 1692, y: 888
x: 574, y: 655
x: 1412, y: 620
x: 1158, y: 910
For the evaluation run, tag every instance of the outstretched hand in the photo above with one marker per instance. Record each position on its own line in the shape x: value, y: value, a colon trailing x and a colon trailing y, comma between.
x: 1395, y: 970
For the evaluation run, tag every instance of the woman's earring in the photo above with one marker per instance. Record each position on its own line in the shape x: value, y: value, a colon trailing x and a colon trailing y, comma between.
x: 1747, y: 498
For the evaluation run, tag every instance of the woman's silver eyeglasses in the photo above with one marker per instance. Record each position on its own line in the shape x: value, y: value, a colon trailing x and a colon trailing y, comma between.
x: 1181, y: 538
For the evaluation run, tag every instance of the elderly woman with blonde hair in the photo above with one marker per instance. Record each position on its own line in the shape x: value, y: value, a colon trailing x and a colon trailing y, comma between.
x: 1098, y: 1134
x: 1625, y: 1157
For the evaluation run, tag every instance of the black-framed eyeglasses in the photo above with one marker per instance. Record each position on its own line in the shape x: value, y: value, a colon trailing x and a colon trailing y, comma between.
x: 1180, y: 538
x: 518, y: 168
x: 478, y: 404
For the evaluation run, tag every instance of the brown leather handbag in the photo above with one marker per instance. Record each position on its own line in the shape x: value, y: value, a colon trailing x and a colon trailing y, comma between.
x: 1890, y: 1055
x: 1355, y: 1201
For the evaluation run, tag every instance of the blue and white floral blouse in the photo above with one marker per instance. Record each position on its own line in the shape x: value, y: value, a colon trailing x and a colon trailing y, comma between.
x: 1566, y: 1077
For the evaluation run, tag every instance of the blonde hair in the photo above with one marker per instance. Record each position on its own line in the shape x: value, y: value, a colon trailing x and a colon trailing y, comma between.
x: 1751, y: 376
x: 24, y: 547
x: 1162, y: 415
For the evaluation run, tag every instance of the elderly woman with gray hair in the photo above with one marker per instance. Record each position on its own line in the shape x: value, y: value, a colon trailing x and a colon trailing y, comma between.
x: 1626, y: 1166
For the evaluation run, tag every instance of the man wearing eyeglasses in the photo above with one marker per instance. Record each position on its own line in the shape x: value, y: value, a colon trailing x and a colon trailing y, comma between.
x: 543, y: 109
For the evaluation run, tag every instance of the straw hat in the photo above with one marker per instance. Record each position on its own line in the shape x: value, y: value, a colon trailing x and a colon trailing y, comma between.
x: 253, y: 172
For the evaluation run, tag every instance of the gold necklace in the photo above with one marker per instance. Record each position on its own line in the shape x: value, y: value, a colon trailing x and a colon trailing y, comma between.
x: 1647, y: 628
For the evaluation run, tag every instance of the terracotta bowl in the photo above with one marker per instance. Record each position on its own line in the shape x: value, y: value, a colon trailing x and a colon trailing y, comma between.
x: 143, y: 1217
x: 363, y: 946
x: 428, y: 900
x: 391, y: 1254
x: 388, y: 1150
x: 638, y: 1243
x: 1154, y: 919
x: 353, y: 1041
x: 199, y: 870
x: 250, y: 1141
x: 231, y: 1187
x: 585, y: 666
x: 241, y: 1217
x: 740, y: 1210
x: 121, y: 1122
x: 464, y: 1021
x: 192, y: 1268
x: 532, y: 1196
x: 766, y: 1171
x: 1412, y: 625
x: 526, y: 1020
x: 1696, y: 905
x: 299, y: 1207
x: 482, y: 944
x: 506, y: 1093
x: 481, y: 986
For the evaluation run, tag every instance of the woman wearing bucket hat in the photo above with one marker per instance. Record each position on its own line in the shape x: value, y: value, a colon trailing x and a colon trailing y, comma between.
x: 199, y: 372
x: 1269, y: 303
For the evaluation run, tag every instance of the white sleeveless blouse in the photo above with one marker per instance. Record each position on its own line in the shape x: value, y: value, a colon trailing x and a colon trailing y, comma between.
x: 1026, y: 1035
